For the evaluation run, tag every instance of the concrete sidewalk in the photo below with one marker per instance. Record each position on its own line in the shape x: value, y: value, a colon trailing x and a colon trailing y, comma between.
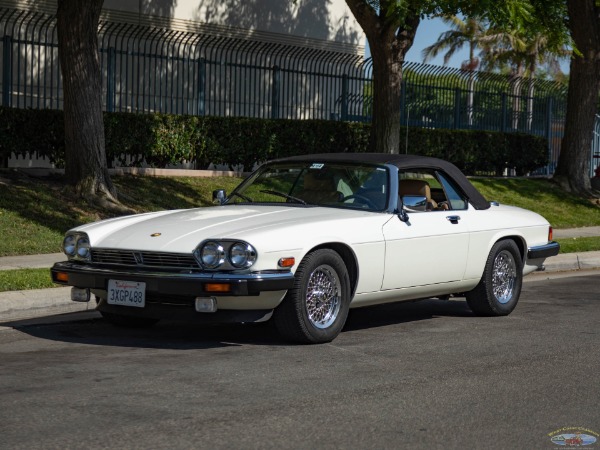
x: 20, y: 305
x: 577, y: 232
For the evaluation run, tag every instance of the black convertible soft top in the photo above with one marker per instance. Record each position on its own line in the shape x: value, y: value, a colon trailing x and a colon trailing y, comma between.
x: 403, y: 162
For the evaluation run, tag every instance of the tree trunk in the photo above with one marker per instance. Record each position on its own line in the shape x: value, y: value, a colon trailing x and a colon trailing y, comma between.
x: 85, y: 156
x: 572, y: 172
x: 387, y: 85
x: 389, y: 42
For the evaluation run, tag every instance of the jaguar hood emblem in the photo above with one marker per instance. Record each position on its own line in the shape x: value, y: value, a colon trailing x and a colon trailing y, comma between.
x: 155, y: 234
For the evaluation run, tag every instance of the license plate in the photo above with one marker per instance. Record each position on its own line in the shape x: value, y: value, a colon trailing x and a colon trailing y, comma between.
x: 126, y: 293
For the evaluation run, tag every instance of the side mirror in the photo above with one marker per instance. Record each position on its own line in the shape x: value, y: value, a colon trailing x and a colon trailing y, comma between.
x: 219, y: 196
x: 415, y: 202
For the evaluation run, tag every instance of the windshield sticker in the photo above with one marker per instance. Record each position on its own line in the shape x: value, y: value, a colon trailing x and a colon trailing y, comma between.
x: 317, y: 166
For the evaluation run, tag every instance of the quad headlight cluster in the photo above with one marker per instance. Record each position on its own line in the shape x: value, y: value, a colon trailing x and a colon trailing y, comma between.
x: 77, y: 246
x: 225, y: 255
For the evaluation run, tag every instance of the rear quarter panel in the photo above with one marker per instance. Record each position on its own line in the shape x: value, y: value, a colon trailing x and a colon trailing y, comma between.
x: 489, y: 226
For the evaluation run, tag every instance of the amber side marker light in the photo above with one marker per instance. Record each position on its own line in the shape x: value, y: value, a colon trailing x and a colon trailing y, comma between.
x: 286, y: 262
x: 550, y: 234
x: 62, y: 276
x: 217, y: 287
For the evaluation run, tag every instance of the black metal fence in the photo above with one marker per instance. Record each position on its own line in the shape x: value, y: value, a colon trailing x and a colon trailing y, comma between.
x: 158, y: 70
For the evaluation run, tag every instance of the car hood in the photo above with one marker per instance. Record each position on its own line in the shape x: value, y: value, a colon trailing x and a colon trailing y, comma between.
x: 181, y: 231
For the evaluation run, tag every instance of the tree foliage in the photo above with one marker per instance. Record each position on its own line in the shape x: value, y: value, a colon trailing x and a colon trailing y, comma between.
x: 390, y: 27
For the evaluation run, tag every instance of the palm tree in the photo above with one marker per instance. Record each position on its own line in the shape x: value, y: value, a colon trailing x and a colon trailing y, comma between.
x: 525, y: 52
x: 471, y: 32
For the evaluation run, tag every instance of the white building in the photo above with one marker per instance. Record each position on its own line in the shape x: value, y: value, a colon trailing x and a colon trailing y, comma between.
x: 265, y: 58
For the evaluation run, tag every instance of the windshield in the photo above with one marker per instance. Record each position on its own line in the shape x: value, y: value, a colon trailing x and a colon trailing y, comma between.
x: 341, y: 185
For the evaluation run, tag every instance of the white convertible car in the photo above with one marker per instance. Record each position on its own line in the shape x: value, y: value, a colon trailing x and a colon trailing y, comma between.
x: 304, y: 239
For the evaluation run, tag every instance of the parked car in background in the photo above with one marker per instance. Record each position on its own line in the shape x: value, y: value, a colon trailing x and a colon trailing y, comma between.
x: 304, y: 239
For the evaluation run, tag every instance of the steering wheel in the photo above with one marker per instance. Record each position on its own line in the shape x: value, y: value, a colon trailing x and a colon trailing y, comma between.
x: 362, y: 199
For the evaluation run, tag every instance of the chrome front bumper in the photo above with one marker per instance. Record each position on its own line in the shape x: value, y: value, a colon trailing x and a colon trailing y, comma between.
x: 174, y: 283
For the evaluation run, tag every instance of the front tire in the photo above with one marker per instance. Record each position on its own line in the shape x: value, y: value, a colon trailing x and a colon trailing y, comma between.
x: 315, y: 309
x: 498, y: 291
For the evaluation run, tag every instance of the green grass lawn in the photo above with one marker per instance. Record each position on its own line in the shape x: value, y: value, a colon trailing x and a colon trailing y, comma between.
x: 580, y: 244
x: 35, y: 213
x: 24, y: 279
x: 561, y: 209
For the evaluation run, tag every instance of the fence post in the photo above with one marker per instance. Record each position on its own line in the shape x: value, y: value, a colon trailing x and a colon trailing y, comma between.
x: 344, y: 97
x: 201, y: 87
x: 503, y: 121
x: 7, y: 70
x: 276, y: 86
x: 457, y: 93
x: 550, y: 165
x: 403, y: 105
x: 110, y: 79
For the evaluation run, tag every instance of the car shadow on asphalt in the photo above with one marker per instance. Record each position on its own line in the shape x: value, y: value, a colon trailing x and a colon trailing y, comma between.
x: 403, y: 312
x: 186, y: 336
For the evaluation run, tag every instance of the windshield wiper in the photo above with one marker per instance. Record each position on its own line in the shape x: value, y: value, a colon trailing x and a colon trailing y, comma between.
x: 242, y: 196
x: 281, y: 194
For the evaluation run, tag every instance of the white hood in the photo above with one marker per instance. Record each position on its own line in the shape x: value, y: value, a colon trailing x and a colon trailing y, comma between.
x: 181, y: 231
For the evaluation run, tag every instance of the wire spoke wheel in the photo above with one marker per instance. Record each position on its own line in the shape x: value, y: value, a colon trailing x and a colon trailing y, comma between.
x: 323, y: 296
x: 499, y: 289
x: 503, y: 276
x: 315, y: 309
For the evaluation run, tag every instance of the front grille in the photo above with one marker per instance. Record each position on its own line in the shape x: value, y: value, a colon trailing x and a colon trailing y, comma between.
x: 132, y: 258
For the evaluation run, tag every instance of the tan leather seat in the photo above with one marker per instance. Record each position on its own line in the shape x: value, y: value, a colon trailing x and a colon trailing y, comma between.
x: 319, y: 188
x: 417, y: 187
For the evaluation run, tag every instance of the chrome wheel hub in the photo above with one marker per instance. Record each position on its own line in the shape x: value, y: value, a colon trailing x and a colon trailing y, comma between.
x: 323, y: 296
x: 504, y: 276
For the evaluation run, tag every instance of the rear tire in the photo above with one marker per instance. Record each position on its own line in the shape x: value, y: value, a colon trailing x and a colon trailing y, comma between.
x: 120, y: 320
x: 315, y: 309
x: 498, y: 291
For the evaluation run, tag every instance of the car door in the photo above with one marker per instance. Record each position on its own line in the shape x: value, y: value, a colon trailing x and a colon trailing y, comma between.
x: 432, y: 246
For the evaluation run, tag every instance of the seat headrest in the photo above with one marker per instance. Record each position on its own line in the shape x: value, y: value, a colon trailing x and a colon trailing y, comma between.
x: 414, y: 187
x: 317, y: 182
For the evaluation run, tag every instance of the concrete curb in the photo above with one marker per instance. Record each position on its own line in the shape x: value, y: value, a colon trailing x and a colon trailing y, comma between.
x: 20, y: 305
x: 573, y: 261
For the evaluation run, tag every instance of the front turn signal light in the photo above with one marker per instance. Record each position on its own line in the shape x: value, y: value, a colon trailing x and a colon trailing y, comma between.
x: 62, y: 276
x: 217, y: 287
x: 550, y: 234
x: 286, y: 262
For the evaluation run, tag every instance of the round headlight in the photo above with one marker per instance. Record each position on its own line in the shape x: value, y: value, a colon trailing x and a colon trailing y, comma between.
x: 212, y: 255
x: 69, y: 245
x: 83, y: 247
x: 242, y: 255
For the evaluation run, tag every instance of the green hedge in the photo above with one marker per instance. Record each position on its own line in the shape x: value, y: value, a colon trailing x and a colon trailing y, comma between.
x: 160, y: 139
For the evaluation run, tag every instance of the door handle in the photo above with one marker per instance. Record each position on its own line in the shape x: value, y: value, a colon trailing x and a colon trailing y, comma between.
x: 453, y: 219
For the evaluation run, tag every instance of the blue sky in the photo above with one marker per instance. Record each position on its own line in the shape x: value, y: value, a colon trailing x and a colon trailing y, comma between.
x: 428, y: 32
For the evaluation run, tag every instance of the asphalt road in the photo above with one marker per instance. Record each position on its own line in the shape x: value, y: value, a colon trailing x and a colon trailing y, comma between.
x: 411, y: 375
